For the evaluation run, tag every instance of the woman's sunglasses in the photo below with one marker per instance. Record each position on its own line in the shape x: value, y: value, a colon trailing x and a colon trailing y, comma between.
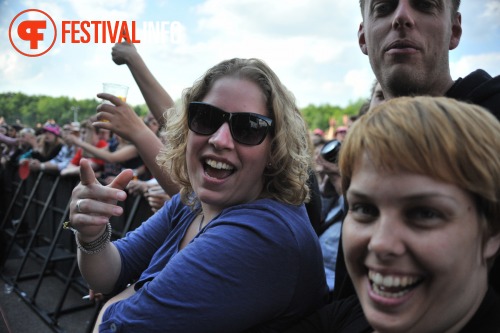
x: 246, y: 128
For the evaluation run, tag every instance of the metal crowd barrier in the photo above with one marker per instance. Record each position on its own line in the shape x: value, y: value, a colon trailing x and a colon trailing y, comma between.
x: 36, y: 248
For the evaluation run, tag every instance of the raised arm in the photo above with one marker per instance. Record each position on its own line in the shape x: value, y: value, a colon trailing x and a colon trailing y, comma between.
x: 157, y: 98
x: 126, y: 153
x: 8, y: 140
x: 121, y: 119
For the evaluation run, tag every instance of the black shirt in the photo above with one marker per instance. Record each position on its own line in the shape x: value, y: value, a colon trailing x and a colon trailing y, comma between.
x: 346, y: 316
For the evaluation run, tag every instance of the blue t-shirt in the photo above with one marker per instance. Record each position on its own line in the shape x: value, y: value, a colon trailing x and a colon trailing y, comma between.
x: 255, y: 266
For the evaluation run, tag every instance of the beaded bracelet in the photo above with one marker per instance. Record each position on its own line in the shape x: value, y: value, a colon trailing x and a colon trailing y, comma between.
x: 97, y: 245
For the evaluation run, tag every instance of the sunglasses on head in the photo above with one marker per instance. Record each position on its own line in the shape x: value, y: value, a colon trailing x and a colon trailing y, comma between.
x: 246, y: 128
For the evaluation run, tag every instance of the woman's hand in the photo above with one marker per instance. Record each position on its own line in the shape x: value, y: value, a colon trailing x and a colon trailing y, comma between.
x: 119, y: 118
x: 92, y: 204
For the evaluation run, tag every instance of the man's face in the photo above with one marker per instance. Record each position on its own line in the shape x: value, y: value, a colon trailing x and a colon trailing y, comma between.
x: 407, y: 42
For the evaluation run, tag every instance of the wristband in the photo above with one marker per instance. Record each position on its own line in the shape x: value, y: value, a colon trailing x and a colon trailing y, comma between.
x: 97, y: 245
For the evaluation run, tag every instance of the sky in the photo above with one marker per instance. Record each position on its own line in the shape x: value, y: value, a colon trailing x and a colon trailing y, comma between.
x: 311, y: 44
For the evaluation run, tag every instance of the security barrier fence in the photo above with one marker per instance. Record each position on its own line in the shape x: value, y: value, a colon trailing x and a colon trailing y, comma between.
x: 35, y: 248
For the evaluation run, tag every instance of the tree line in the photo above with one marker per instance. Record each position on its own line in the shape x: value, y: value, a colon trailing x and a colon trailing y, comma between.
x: 30, y: 110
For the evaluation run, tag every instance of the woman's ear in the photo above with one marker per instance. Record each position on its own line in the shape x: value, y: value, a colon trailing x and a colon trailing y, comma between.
x: 491, y: 246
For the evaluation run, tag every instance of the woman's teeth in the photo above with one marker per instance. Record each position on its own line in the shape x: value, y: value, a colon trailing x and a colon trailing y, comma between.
x: 392, y: 286
x: 219, y: 165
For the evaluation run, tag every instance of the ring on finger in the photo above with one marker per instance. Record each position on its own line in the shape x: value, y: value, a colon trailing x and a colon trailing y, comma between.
x: 78, y: 202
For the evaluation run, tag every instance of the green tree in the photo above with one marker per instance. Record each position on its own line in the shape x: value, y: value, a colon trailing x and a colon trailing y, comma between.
x: 33, y: 109
x: 319, y: 116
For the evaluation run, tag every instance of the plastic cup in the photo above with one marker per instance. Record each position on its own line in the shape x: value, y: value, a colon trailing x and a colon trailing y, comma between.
x: 118, y: 90
x: 24, y: 169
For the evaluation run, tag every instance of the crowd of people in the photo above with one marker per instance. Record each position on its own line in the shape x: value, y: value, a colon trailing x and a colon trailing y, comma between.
x: 387, y: 223
x: 58, y: 149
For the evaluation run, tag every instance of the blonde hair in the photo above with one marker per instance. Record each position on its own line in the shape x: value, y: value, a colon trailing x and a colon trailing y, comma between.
x: 285, y: 180
x: 448, y: 140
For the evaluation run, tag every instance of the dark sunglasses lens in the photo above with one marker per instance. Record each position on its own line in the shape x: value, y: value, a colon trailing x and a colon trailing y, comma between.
x: 204, y: 119
x: 248, y: 129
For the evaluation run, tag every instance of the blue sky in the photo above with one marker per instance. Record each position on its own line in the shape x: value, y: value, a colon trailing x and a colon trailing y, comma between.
x: 311, y: 44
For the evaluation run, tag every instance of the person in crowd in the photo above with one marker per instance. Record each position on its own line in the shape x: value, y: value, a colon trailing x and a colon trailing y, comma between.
x: 318, y: 141
x: 340, y: 133
x: 13, y: 130
x: 125, y: 154
x: 422, y: 228
x: 408, y: 44
x: 26, y: 135
x: 89, y: 134
x: 377, y: 95
x: 234, y: 250
x: 333, y: 207
x: 104, y: 135
x: 151, y: 190
x: 46, y: 145
x: 156, y: 197
x: 317, y: 137
x: 152, y: 123
x: 158, y: 100
x: 6, y: 138
x: 8, y: 145
x: 353, y: 118
x: 408, y: 47
x: 65, y: 155
x: 330, y: 132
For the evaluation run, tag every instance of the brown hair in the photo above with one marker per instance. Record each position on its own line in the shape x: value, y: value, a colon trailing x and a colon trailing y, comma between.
x: 448, y: 140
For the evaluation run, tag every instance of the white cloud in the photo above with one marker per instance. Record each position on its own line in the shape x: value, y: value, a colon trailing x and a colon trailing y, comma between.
x: 111, y: 10
x: 8, y: 64
x: 294, y: 17
x: 304, y: 41
x: 492, y: 11
x: 360, y: 81
x: 54, y: 10
x: 465, y: 65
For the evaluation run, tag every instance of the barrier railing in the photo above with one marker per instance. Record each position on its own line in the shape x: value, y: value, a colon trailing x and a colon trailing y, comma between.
x: 36, y: 248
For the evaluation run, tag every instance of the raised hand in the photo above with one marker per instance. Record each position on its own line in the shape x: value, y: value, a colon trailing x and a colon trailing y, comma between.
x: 120, y: 118
x: 121, y: 53
x: 92, y: 204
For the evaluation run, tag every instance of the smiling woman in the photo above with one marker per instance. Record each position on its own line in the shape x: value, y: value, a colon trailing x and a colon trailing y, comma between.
x: 421, y: 178
x: 235, y: 250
